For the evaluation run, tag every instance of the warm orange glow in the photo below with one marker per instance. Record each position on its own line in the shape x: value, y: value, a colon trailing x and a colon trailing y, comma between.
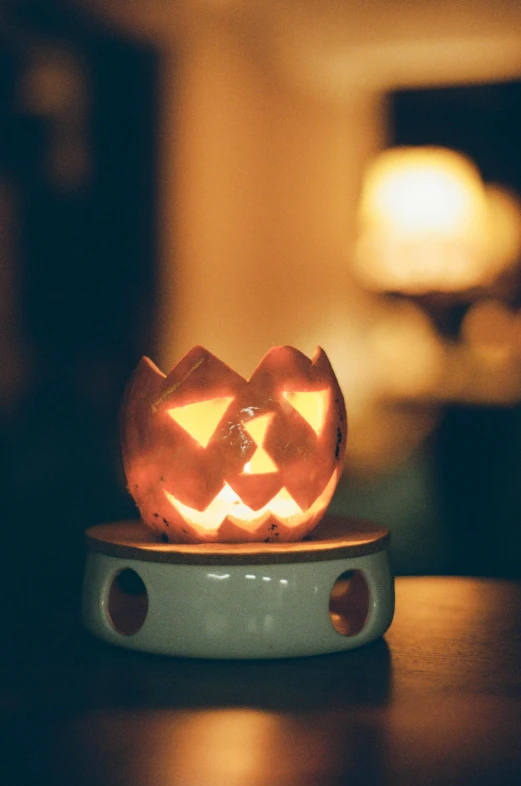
x: 202, y: 418
x: 210, y: 455
x: 260, y: 463
x: 505, y: 227
x: 230, y: 743
x: 423, y: 223
x: 312, y: 406
x: 489, y: 331
x: 228, y: 746
x: 228, y: 505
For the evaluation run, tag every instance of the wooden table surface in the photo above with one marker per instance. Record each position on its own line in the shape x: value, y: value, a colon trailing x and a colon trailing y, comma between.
x: 438, y: 701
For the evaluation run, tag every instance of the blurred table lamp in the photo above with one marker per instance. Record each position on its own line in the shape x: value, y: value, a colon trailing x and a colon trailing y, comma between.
x: 432, y: 232
x: 423, y: 223
x: 504, y: 232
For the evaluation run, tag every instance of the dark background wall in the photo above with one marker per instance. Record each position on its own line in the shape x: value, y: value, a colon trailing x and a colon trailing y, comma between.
x: 84, y: 251
x: 477, y: 449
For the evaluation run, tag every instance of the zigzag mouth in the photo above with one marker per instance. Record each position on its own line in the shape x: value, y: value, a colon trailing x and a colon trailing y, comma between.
x: 228, y: 505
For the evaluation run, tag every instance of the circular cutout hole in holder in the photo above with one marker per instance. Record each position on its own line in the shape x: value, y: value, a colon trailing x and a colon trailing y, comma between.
x: 128, y: 602
x: 349, y: 603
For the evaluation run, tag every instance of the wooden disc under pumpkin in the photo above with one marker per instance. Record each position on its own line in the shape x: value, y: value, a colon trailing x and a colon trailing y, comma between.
x: 334, y: 538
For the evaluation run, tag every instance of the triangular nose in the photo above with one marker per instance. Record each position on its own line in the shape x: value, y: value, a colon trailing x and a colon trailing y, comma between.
x: 260, y: 464
x: 257, y: 427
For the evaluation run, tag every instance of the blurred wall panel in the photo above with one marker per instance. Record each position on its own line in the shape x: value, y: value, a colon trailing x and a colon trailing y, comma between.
x: 77, y: 150
x: 260, y: 188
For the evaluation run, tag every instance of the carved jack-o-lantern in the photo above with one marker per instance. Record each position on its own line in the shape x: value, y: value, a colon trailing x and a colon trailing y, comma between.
x: 211, y: 456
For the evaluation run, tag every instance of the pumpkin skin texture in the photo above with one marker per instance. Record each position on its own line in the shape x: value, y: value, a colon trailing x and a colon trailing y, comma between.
x: 212, y: 457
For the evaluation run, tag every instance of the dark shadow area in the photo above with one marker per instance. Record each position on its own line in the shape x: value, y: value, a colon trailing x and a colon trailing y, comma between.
x: 78, y: 167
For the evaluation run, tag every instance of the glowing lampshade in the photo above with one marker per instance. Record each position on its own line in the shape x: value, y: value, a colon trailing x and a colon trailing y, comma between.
x: 211, y: 456
x: 423, y: 223
x: 505, y: 227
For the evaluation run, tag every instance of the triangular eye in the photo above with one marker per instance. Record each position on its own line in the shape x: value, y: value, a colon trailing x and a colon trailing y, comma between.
x: 202, y: 418
x: 311, y: 405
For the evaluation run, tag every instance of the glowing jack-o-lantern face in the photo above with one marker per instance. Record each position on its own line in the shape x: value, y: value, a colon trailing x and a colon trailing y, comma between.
x: 211, y: 456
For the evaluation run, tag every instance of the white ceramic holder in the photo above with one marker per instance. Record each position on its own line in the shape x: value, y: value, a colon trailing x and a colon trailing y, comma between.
x: 331, y: 592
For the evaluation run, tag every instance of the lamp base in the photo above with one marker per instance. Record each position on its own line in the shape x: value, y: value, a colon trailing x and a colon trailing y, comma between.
x: 332, y: 592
